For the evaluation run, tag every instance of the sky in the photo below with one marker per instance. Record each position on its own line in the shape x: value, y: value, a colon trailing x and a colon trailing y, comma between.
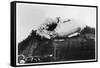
x: 31, y: 16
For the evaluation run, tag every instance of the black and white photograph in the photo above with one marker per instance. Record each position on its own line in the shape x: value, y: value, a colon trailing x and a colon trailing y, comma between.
x: 54, y: 33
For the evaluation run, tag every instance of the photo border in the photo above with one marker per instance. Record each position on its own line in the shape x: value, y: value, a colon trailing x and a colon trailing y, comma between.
x: 13, y: 34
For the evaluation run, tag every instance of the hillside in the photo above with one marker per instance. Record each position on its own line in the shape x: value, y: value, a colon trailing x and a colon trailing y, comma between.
x: 81, y: 47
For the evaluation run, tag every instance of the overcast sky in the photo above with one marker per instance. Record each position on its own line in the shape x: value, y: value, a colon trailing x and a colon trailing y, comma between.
x: 30, y: 16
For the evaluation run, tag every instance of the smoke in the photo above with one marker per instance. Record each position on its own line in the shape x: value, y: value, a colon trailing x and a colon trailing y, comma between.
x: 64, y: 27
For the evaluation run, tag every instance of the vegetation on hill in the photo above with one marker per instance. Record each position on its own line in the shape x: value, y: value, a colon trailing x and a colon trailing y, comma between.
x: 40, y: 49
